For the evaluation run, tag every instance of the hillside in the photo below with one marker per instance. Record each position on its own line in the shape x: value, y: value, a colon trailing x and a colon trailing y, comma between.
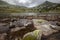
x: 3, y: 3
x: 49, y: 6
x: 45, y: 7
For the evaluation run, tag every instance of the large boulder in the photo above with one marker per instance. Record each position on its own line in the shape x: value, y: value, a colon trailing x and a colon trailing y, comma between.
x: 22, y: 22
x: 45, y: 26
x: 3, y: 28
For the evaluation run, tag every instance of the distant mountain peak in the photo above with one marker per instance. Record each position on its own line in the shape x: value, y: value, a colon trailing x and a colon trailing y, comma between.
x: 46, y: 1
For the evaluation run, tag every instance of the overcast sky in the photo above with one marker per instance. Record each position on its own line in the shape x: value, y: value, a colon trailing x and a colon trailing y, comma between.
x: 29, y: 3
x: 55, y: 1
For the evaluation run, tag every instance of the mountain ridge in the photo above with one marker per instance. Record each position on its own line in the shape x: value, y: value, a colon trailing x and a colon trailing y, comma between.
x: 46, y: 6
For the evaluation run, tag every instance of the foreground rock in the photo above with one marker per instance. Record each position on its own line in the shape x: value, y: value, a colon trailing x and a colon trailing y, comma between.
x: 44, y: 25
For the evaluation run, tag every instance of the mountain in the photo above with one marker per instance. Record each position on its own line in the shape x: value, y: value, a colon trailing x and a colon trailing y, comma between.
x: 49, y: 6
x: 46, y: 4
x: 5, y: 7
x: 3, y: 3
x: 44, y: 7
